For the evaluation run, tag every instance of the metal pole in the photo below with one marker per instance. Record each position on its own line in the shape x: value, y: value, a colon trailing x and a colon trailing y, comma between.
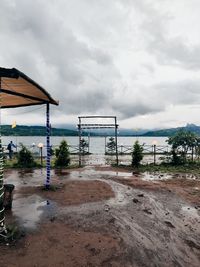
x: 105, y: 145
x: 117, y: 161
x: 154, y: 154
x: 88, y: 143
x: 48, y: 163
x: 192, y: 153
x: 41, y: 156
x: 79, y: 134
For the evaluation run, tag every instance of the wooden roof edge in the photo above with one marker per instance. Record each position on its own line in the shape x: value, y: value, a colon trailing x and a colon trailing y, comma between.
x: 15, y: 74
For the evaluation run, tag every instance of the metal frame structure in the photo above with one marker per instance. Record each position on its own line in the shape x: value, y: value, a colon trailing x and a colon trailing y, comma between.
x: 83, y: 126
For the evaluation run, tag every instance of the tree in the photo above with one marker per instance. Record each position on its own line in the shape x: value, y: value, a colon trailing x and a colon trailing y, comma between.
x: 137, y: 155
x: 62, y: 155
x: 25, y: 157
x: 111, y: 145
x: 181, y: 143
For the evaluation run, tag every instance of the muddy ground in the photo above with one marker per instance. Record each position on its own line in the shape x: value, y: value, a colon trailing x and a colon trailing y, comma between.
x: 103, y: 216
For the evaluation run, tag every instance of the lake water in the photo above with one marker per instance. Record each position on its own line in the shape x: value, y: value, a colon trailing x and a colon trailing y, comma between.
x: 97, y: 147
x: 97, y: 144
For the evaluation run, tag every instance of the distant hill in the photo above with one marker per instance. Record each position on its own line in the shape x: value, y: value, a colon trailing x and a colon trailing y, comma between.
x: 106, y: 132
x: 22, y: 130
x: 169, y: 132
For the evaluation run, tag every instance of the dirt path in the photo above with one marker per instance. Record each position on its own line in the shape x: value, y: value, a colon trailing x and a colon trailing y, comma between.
x: 104, y: 217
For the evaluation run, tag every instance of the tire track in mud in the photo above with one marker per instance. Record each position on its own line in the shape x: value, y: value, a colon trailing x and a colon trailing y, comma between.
x: 155, y: 226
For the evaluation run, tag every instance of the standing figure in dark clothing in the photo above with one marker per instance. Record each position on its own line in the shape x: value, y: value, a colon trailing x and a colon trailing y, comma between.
x: 10, y: 151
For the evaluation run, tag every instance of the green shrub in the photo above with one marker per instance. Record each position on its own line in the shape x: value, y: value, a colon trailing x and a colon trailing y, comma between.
x: 25, y: 157
x: 62, y: 155
x: 137, y: 155
x: 111, y: 145
x: 181, y: 142
x: 84, y: 146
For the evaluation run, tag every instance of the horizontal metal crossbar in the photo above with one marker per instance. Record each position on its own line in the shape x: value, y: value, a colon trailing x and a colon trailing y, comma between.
x: 93, y: 127
x: 97, y: 124
x: 90, y: 117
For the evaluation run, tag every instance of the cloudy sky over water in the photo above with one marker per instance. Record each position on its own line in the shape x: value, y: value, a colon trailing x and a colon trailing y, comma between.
x: 136, y: 59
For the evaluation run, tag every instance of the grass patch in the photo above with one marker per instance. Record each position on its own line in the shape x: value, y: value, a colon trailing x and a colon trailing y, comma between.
x: 12, y: 236
x: 12, y: 164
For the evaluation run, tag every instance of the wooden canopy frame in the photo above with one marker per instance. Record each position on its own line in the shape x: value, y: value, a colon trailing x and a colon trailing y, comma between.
x: 18, y: 90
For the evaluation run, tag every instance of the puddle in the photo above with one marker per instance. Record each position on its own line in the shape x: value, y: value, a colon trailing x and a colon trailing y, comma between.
x: 188, y: 176
x: 89, y: 173
x: 29, y: 210
x: 27, y: 177
x: 149, y: 176
x: 190, y: 211
x: 156, y: 176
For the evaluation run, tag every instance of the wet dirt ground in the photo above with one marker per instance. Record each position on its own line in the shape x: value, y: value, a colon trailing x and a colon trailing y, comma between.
x: 103, y: 216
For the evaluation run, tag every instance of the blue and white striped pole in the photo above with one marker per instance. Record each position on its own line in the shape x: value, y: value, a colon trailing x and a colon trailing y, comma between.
x: 48, y: 160
x: 2, y: 217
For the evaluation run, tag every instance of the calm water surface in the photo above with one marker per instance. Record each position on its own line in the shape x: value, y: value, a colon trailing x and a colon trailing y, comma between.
x: 97, y: 147
x: 97, y: 144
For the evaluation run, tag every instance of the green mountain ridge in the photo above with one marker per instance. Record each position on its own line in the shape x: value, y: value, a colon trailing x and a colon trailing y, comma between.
x: 169, y: 132
x: 22, y: 130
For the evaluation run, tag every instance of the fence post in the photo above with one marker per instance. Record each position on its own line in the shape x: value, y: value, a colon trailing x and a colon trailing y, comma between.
x: 105, y: 145
x: 192, y: 153
x: 154, y: 154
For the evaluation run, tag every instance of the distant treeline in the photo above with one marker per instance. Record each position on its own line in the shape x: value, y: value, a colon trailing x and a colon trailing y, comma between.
x: 169, y: 132
x: 20, y: 130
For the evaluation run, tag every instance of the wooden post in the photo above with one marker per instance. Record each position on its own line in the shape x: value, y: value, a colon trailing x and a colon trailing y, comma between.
x: 116, y: 126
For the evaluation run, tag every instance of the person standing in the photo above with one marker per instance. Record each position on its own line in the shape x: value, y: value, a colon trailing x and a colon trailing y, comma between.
x: 10, y: 150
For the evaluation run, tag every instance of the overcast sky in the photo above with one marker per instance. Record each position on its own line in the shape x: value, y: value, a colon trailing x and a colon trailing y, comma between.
x: 136, y: 59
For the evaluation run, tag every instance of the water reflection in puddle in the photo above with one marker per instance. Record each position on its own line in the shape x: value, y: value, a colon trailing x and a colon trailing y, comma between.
x: 149, y: 176
x: 156, y: 176
x: 29, y: 210
x: 190, y: 210
x: 29, y: 177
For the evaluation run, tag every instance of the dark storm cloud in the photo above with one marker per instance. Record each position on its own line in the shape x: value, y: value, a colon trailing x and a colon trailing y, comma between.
x: 79, y: 51
x: 76, y: 73
x: 127, y: 110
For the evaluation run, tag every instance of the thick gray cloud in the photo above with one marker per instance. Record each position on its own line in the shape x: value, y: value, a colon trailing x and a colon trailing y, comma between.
x: 126, y: 58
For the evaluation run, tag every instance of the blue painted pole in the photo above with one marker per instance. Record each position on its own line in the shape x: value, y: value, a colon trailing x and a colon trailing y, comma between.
x: 2, y: 217
x: 48, y: 159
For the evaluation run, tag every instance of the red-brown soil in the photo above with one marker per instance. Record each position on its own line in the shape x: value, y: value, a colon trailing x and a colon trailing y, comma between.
x: 104, y: 219
x: 72, y: 192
